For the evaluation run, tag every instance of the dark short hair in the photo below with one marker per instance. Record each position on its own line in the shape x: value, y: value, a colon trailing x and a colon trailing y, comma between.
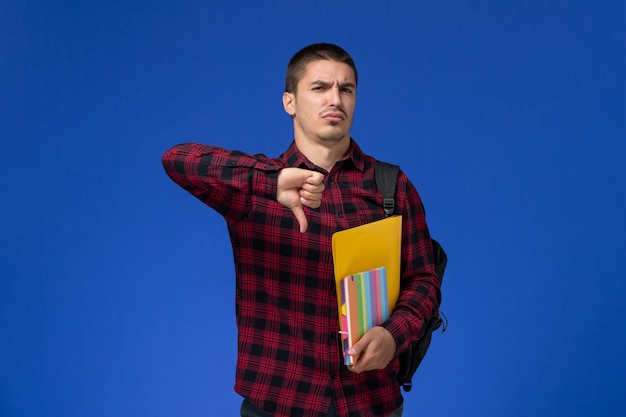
x: 314, y: 52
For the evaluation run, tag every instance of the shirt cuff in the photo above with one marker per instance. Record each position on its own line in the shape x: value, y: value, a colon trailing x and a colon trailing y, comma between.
x: 400, y: 329
x: 265, y: 183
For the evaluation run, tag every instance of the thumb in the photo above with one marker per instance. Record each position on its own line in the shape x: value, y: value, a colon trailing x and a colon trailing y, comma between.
x: 359, y: 346
x: 298, y: 212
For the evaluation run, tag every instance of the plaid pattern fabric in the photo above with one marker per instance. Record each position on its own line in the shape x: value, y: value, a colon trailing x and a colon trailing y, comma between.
x: 290, y: 361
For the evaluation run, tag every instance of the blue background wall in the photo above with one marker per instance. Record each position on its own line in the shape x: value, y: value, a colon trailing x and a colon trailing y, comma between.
x: 117, y: 287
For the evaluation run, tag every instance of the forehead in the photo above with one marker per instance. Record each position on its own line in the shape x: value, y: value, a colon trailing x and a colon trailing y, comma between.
x: 327, y: 70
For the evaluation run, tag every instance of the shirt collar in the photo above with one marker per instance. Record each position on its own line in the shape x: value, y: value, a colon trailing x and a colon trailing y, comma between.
x: 292, y: 157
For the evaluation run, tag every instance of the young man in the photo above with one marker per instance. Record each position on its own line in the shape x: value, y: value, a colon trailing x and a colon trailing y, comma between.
x: 281, y: 213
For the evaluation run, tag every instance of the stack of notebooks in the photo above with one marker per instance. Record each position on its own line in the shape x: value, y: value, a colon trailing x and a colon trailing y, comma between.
x: 367, y: 275
x: 364, y: 304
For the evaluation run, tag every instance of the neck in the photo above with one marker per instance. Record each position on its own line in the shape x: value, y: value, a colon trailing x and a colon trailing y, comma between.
x: 324, y: 155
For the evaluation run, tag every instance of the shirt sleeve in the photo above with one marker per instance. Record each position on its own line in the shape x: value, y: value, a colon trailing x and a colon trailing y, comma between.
x: 225, y: 180
x: 419, y: 284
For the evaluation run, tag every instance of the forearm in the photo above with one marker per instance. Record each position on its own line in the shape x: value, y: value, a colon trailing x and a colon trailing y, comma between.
x: 418, y: 303
x: 225, y: 180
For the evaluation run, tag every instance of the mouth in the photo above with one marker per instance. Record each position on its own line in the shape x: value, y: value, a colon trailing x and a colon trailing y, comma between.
x: 334, y: 116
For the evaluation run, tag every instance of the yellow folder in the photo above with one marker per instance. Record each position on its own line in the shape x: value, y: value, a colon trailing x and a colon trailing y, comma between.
x: 367, y: 247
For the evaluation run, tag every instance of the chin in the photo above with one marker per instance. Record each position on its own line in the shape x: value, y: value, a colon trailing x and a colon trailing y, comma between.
x: 333, y: 134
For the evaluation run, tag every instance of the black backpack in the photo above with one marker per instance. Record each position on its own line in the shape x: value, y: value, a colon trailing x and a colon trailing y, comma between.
x: 386, y: 179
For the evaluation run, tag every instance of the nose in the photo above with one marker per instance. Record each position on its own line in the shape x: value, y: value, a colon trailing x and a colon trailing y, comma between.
x: 335, y: 98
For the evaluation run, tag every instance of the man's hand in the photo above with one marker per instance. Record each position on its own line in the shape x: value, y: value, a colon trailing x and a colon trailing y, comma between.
x: 377, y: 348
x: 297, y: 188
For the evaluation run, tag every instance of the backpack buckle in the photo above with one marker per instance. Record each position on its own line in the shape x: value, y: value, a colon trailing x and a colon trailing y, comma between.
x: 388, y: 206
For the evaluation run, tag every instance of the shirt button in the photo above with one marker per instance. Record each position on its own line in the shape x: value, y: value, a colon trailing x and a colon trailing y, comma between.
x: 333, y: 335
x: 340, y: 214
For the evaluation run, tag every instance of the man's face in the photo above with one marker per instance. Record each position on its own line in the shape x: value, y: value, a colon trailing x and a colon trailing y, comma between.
x: 323, y: 105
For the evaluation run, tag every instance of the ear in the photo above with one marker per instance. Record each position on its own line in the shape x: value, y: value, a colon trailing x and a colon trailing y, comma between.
x: 289, y: 101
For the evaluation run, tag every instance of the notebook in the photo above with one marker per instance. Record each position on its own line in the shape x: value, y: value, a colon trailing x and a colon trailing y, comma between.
x: 364, y: 304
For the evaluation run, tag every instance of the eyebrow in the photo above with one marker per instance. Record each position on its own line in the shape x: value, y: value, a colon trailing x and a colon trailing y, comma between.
x: 326, y: 83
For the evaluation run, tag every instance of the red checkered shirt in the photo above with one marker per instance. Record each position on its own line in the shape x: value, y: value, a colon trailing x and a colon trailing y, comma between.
x: 289, y: 361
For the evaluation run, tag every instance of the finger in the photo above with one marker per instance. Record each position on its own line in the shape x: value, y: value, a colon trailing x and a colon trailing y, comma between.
x: 352, y: 368
x: 313, y: 188
x: 361, y: 350
x: 362, y: 364
x: 315, y: 178
x: 313, y: 200
x: 311, y: 203
x: 359, y: 346
x: 298, y: 212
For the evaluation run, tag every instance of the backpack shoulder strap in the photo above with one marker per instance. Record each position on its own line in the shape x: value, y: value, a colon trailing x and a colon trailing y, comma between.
x: 386, y: 179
